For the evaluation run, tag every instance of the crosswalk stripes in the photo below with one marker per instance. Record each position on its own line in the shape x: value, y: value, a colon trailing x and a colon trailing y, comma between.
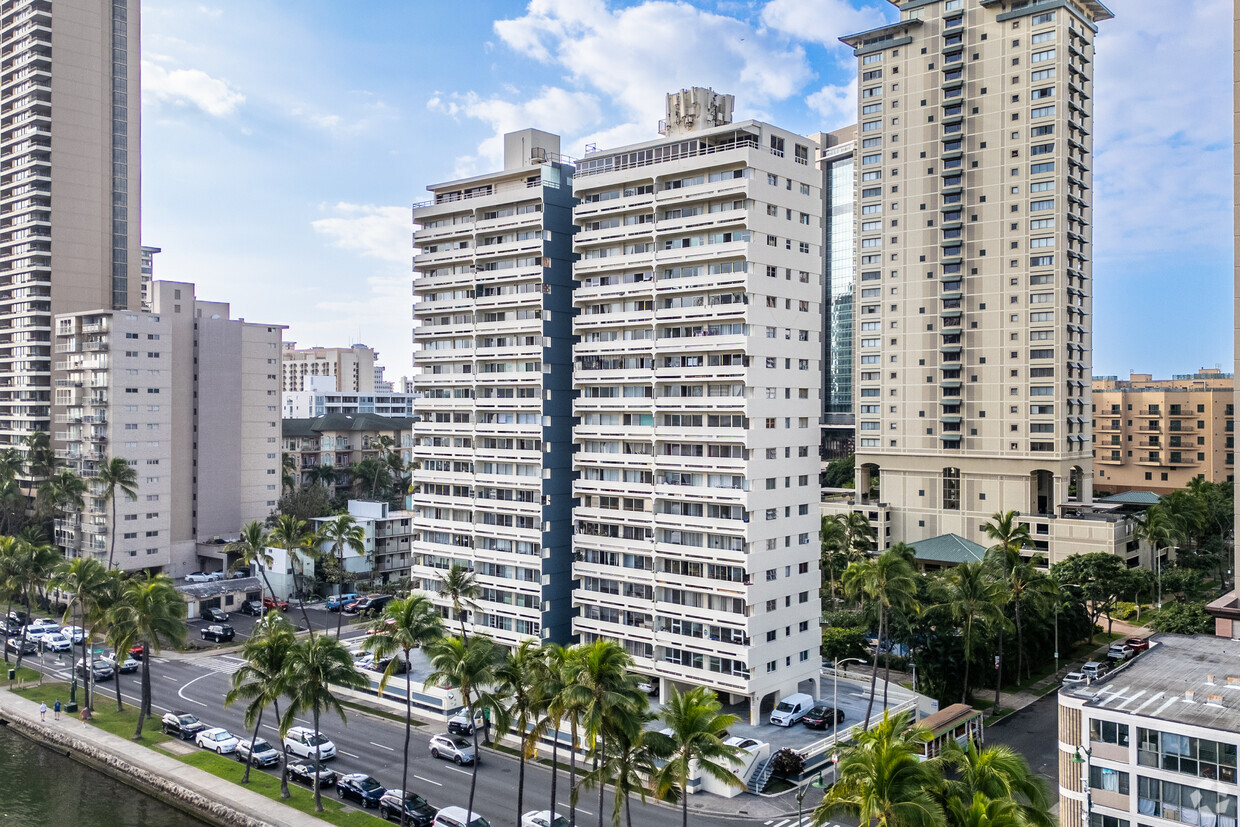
x: 806, y: 821
x: 224, y: 664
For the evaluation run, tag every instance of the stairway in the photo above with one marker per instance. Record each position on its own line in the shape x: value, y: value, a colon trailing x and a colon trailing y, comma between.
x: 761, y: 774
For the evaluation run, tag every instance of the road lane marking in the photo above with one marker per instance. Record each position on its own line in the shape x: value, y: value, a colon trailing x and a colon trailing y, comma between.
x: 168, y: 678
x: 428, y: 781
x: 381, y: 746
x: 455, y: 769
x: 181, y: 692
x: 351, y: 755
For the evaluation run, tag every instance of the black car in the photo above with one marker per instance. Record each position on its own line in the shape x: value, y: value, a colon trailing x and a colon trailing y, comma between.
x: 402, y: 665
x: 181, y: 724
x: 101, y: 670
x: 215, y: 615
x: 218, y: 633
x: 418, y: 813
x: 254, y: 608
x: 822, y: 716
x: 9, y: 628
x: 20, y: 618
x: 20, y: 644
x: 373, y: 604
x: 359, y: 787
x: 303, y: 773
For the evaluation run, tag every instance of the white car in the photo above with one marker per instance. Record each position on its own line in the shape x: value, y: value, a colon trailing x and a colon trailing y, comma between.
x: 300, y: 741
x: 544, y: 818
x: 39, y: 629
x: 216, y: 739
x: 74, y: 633
x: 55, y: 642
x: 203, y: 576
x: 453, y: 748
x: 124, y: 666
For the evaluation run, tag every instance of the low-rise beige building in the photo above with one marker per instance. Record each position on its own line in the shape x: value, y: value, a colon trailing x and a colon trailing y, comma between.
x: 353, y: 367
x: 1158, y: 434
x: 190, y: 398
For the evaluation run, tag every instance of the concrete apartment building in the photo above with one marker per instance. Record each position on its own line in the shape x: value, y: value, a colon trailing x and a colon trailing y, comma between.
x: 697, y: 376
x: 342, y: 440
x: 147, y: 274
x: 493, y: 283
x: 1154, y: 743
x: 69, y: 219
x: 837, y: 157
x: 388, y: 542
x: 190, y: 399
x: 974, y: 284
x: 321, y: 397
x: 352, y: 367
x: 1158, y: 434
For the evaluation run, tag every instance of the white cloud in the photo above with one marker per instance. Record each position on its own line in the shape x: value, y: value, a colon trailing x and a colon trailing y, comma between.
x: 188, y: 87
x: 836, y: 104
x: 825, y: 21
x: 379, y: 232
x: 1163, y: 139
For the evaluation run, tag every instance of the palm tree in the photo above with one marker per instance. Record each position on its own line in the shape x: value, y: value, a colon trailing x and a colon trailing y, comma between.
x: 565, y: 704
x: 1010, y: 537
x: 1028, y: 584
x: 152, y: 612
x: 108, y: 595
x: 1161, y: 531
x: 81, y: 577
x: 292, y: 535
x: 10, y: 574
x: 973, y: 598
x: 521, y: 680
x: 35, y: 563
x: 834, y: 542
x: 39, y: 460
x: 251, y: 550
x: 601, y: 685
x: 997, y: 773
x: 462, y: 589
x: 341, y: 533
x: 259, y: 680
x: 471, y: 665
x: 550, y: 677
x: 633, y: 760
x: 65, y: 492
x: 881, y: 779
x: 312, y: 667
x: 288, y: 471
x: 697, y: 732
x: 984, y: 812
x: 114, y: 474
x: 324, y: 474
x: 406, y: 624
x: 888, y: 582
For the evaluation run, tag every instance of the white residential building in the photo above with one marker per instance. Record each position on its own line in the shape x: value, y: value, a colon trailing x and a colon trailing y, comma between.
x: 697, y: 376
x: 320, y: 397
x: 387, y: 544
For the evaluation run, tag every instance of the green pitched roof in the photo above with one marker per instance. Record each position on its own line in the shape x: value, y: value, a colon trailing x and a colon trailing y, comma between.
x: 1134, y: 498
x: 345, y: 422
x: 948, y: 548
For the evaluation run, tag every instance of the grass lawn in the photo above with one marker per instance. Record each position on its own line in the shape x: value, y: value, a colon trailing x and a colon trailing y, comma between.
x: 269, y: 785
x: 104, y: 714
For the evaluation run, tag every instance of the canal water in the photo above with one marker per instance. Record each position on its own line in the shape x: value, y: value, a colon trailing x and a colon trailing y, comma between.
x: 46, y: 789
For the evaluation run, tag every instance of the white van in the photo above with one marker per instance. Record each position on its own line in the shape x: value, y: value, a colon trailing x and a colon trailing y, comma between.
x: 458, y: 817
x: 792, y: 709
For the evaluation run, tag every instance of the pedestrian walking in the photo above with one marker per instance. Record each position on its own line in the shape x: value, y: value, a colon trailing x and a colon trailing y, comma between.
x: 85, y: 716
x: 43, y: 711
x: 56, y: 710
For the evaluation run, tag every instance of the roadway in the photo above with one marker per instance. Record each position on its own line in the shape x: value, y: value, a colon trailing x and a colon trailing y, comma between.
x: 373, y: 744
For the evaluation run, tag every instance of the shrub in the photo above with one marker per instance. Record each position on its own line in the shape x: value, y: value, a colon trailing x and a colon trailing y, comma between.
x: 787, y: 763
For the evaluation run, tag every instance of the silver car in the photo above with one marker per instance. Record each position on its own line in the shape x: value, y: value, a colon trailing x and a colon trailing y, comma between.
x: 452, y: 748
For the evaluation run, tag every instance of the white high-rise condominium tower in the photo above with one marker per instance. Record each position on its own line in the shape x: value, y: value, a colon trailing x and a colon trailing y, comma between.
x: 493, y: 283
x: 70, y: 189
x: 697, y: 375
x: 974, y: 285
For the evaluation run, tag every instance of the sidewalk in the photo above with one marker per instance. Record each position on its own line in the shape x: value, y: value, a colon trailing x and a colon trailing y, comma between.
x: 199, y: 792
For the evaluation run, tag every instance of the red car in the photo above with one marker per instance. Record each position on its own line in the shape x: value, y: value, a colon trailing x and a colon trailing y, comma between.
x: 137, y: 651
x: 1138, y: 644
x: 272, y: 603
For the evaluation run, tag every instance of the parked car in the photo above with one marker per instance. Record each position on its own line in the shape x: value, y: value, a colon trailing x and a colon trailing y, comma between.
x: 20, y: 618
x: 183, y: 725
x: 55, y: 642
x: 9, y: 629
x: 544, y: 818
x: 452, y: 748
x: 241, y: 571
x: 650, y: 686
x: 1094, y: 670
x: 373, y: 603
x: 253, y: 608
x: 220, y: 634
x: 791, y: 709
x: 401, y: 668
x: 216, y: 739
x: 1074, y: 679
x: 822, y: 716
x: 1120, y: 652
x: 74, y: 633
x: 459, y: 817
x: 303, y: 773
x: 360, y: 787
x: 261, y: 754
x: 20, y: 644
x: 40, y: 628
x: 334, y: 603
x: 101, y: 670
x: 274, y: 603
x: 300, y: 741
x: 203, y: 576
x: 1138, y: 644
x: 215, y: 615
x: 418, y: 812
x: 460, y: 724
x: 125, y: 666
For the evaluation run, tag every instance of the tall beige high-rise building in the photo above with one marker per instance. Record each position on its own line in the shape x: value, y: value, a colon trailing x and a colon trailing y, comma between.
x: 974, y: 286
x: 70, y: 185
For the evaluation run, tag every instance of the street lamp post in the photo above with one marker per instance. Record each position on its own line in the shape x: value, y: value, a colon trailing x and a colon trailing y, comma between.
x: 835, y: 688
x: 818, y: 784
x: 1077, y: 758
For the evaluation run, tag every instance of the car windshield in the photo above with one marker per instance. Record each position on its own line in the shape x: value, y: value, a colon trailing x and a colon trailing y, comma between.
x: 187, y: 720
x: 369, y: 783
x: 560, y: 821
x: 311, y: 765
x: 263, y: 746
x: 316, y: 740
x: 222, y: 735
x: 460, y: 742
x: 783, y: 707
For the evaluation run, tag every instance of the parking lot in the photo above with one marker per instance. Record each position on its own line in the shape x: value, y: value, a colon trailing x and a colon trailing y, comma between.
x: 243, y: 625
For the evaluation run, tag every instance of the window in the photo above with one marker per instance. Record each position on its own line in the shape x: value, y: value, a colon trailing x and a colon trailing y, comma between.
x: 1188, y: 805
x: 951, y: 489
x: 1113, y: 781
x: 1191, y: 756
x: 1108, y: 732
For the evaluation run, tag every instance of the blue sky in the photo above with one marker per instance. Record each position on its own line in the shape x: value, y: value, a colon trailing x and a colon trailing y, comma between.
x: 284, y: 140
